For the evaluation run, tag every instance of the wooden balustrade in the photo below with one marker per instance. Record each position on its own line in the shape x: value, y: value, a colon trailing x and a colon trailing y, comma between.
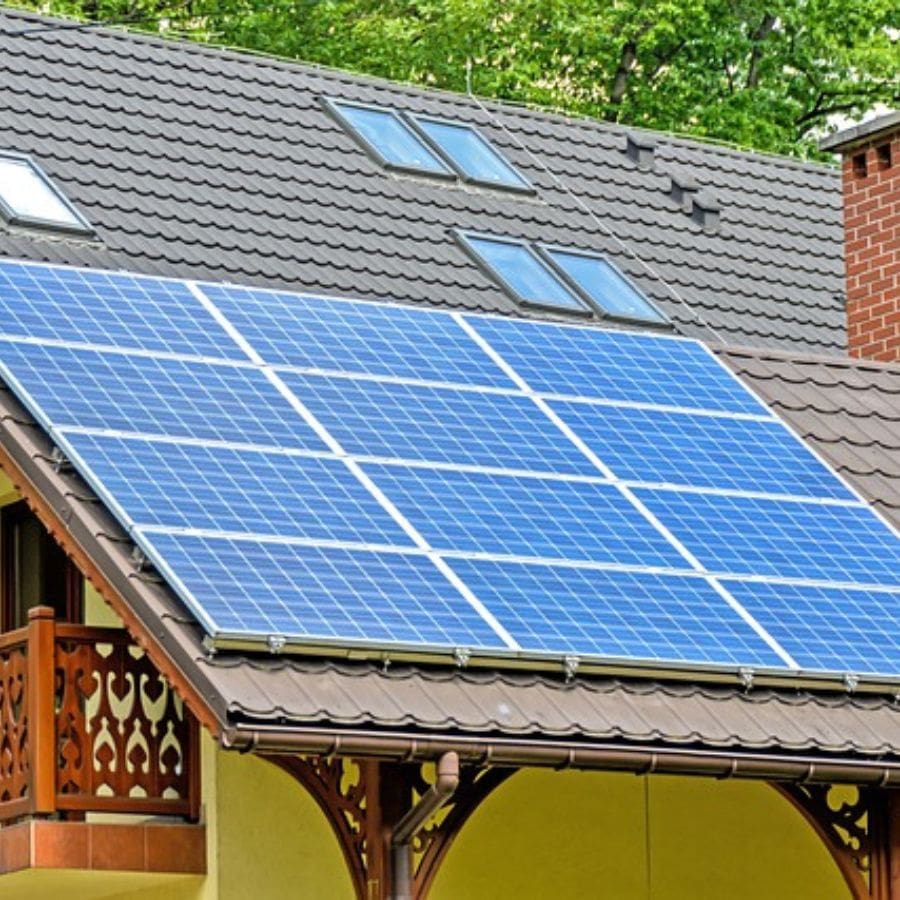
x: 87, y: 724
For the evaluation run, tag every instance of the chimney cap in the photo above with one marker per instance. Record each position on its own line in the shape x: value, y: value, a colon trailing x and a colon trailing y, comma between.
x: 863, y: 133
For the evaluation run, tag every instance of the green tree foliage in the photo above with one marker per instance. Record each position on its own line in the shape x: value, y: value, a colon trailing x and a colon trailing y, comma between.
x: 761, y: 73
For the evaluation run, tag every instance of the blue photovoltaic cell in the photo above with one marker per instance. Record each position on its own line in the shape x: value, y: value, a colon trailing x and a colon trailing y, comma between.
x: 155, y: 396
x: 111, y: 308
x: 703, y: 451
x: 346, y: 336
x: 615, y: 365
x: 780, y: 538
x: 828, y: 628
x: 637, y: 615
x: 438, y: 424
x: 504, y: 514
x: 225, y: 489
x: 320, y: 592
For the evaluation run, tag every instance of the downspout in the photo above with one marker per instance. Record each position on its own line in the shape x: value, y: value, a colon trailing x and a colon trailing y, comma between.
x: 411, y: 824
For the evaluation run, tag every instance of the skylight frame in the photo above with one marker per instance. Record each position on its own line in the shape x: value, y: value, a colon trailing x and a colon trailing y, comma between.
x: 414, y: 119
x: 80, y: 226
x: 462, y: 237
x: 334, y: 104
x: 545, y: 251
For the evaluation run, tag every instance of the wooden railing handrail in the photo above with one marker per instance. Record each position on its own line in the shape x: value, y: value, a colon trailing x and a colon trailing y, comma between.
x: 91, y: 724
x: 10, y: 639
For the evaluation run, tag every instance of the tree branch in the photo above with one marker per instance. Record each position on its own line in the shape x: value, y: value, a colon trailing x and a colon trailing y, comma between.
x: 763, y: 30
x: 627, y: 62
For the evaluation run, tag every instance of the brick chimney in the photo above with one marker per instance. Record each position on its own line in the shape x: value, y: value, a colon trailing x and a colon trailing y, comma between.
x: 871, y: 179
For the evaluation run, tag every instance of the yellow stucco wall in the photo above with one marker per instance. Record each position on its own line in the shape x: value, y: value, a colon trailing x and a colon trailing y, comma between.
x: 570, y: 834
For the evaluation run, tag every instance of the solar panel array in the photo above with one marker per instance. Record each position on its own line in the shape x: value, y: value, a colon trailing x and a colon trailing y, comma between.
x: 346, y: 474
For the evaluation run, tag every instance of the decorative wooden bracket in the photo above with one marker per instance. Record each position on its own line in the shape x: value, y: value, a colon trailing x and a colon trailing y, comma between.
x: 363, y: 798
x: 862, y: 833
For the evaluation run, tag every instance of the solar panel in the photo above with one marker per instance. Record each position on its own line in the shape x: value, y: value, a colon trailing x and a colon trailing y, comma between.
x: 443, y: 425
x: 615, y: 365
x: 663, y: 446
x: 780, y: 538
x: 321, y: 593
x: 107, y: 308
x: 481, y: 512
x: 631, y: 615
x: 365, y: 338
x: 233, y: 489
x: 66, y: 387
x: 829, y: 628
x: 343, y: 473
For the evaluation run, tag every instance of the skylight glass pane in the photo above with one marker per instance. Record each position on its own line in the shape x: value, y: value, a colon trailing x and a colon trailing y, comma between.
x: 606, y: 287
x: 525, y: 274
x: 472, y: 154
x: 391, y: 138
x: 30, y: 197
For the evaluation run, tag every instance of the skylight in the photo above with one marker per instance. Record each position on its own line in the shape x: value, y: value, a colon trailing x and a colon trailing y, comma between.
x: 389, y: 139
x: 561, y: 279
x: 28, y: 197
x: 518, y: 268
x: 470, y: 154
x: 605, y: 285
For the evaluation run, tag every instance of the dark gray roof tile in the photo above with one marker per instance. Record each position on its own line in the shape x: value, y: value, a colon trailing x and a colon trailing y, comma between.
x: 187, y: 157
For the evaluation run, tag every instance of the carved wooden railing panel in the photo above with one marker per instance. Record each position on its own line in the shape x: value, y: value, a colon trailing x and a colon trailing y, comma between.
x: 124, y: 739
x: 87, y: 724
x: 14, y: 768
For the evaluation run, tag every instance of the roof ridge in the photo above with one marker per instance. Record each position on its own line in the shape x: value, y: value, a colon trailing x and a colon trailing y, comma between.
x: 246, y: 55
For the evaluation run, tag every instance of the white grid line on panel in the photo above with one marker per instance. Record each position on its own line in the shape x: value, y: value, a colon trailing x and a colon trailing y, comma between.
x: 364, y: 459
x: 657, y: 407
x: 686, y: 554
x: 332, y: 443
x: 561, y: 562
x: 125, y: 351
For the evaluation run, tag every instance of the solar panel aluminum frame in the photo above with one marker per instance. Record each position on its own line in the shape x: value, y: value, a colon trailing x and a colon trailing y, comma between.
x: 84, y: 228
x: 544, y: 251
x: 332, y: 106
x: 413, y: 120
x: 547, y: 662
x: 461, y: 236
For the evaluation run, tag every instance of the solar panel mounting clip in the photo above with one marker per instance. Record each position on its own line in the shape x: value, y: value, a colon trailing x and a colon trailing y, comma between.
x: 570, y: 666
x: 851, y: 682
x: 746, y: 674
x: 275, y: 643
x: 462, y: 655
x: 60, y: 461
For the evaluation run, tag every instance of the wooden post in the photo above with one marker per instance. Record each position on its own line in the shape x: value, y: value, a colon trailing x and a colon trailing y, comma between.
x: 40, y: 667
x: 886, y: 870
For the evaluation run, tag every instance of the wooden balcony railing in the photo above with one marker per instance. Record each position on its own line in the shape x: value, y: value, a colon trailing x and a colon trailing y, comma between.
x: 87, y: 724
